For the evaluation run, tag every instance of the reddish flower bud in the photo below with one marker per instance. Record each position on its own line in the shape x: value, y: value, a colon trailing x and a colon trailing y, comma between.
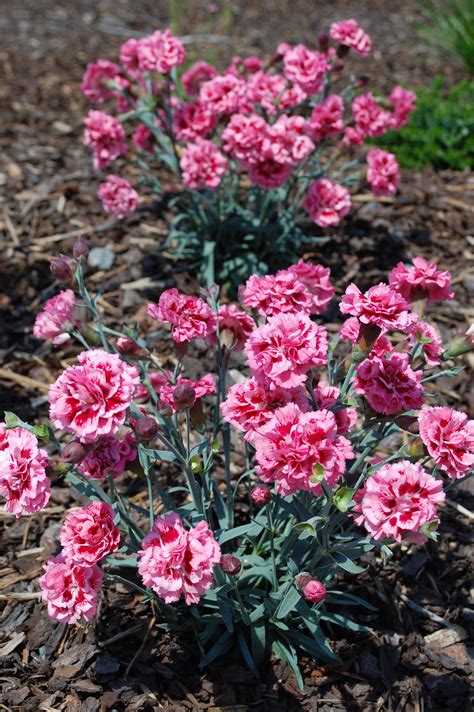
x: 184, y: 396
x: 230, y: 564
x: 129, y: 347
x: 323, y: 40
x: 180, y: 349
x: 80, y: 248
x: 342, y: 51
x: 260, y: 495
x: 145, y: 428
x: 164, y: 409
x: 312, y: 589
x: 362, y: 81
x: 338, y: 65
x: 61, y: 270
x: 74, y: 452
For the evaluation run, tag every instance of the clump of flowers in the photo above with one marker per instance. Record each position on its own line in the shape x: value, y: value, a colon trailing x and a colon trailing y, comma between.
x: 253, y: 149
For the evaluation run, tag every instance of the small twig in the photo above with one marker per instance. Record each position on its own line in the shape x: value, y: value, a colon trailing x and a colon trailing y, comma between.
x: 122, y: 635
x: 33, y: 596
x: 424, y: 611
x: 26, y: 381
x: 459, y: 508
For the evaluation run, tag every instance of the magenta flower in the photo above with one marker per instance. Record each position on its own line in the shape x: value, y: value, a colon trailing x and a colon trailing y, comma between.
x: 389, y: 383
x: 23, y: 480
x: 422, y: 280
x: 327, y: 118
x: 203, y: 165
x: 305, y: 68
x: 383, y: 173
x: 403, y: 102
x: 380, y: 305
x: 369, y: 118
x: 449, y: 437
x: 118, y: 196
x: 190, y: 317
x: 349, y: 34
x: 159, y: 52
x: 108, y: 456
x: 89, y: 534
x: 327, y: 202
x: 280, y: 293
x: 316, y: 279
x: 105, y: 136
x: 70, y: 591
x: 194, y: 77
x: 56, y: 319
x: 193, y: 121
x: 94, y: 83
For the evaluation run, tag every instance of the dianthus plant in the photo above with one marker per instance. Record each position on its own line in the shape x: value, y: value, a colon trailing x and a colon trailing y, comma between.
x: 232, y: 499
x: 255, y: 155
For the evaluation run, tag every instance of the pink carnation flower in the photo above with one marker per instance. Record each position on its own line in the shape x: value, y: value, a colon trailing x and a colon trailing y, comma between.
x: 89, y: 534
x: 425, y: 334
x: 327, y: 202
x: 249, y: 406
x: 403, y: 102
x: 203, y: 165
x: 327, y: 396
x: 398, y: 500
x: 383, y: 173
x: 286, y: 348
x: 94, y: 83
x: 56, y: 319
x: 105, y: 136
x: 194, y: 77
x: 23, y: 480
x: 349, y: 34
x: 175, y: 561
x: 280, y: 293
x: 157, y: 381
x: 243, y: 137
x: 421, y: 280
x: 291, y: 97
x: 91, y: 399
x: 108, y: 456
x: 269, y: 173
x: 202, y: 387
x: 316, y: 279
x: 160, y: 52
x: 370, y: 119
x: 297, y: 449
x: 225, y: 94
x: 380, y: 305
x: 70, y: 591
x: 235, y: 322
x: 143, y: 138
x: 118, y: 196
x: 389, y: 383
x: 192, y: 121
x: 327, y: 118
x: 190, y: 317
x: 264, y: 89
x: 449, y: 437
x: 129, y: 54
x: 305, y: 68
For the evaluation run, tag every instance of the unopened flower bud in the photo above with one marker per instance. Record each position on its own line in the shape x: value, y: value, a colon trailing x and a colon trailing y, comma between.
x: 164, y: 409
x: 338, y: 65
x: 408, y: 423
x: 342, y: 51
x: 74, y: 452
x: 80, y: 248
x: 145, y: 428
x: 184, y: 396
x: 362, y: 81
x: 129, y: 347
x: 312, y: 589
x: 61, y: 270
x: 230, y: 564
x: 180, y: 349
x: 260, y: 495
x: 461, y: 345
x: 323, y: 40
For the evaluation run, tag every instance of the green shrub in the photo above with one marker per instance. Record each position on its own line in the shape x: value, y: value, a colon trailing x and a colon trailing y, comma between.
x: 441, y: 130
x: 451, y: 27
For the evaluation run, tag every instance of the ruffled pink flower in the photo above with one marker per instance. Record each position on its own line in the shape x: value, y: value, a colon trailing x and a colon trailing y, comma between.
x: 143, y: 138
x: 425, y: 334
x: 118, y: 196
x: 349, y: 34
x: 327, y: 202
x: 94, y: 83
x: 403, y: 102
x: 23, y: 480
x: 327, y: 396
x: 370, y: 119
x: 305, y: 68
x: 225, y: 94
x: 291, y: 97
x: 286, y: 348
x: 243, y: 137
x: 316, y: 279
x: 105, y: 136
x: 350, y: 330
x: 160, y: 52
x: 389, y: 383
x: 190, y: 317
x: 287, y: 140
x: 91, y: 399
x: 327, y: 118
x: 397, y: 500
x: 380, y: 305
x: 70, y: 591
x: 175, y: 561
x: 194, y: 77
x: 297, y: 449
x: 202, y: 387
x: 235, y: 322
x: 56, y: 319
x: 383, y: 173
x: 129, y: 54
x: 203, y: 165
x: 108, y: 456
x: 449, y: 438
x: 193, y: 121
x: 89, y: 534
x: 421, y: 280
x: 269, y: 173
x: 280, y: 293
x: 250, y: 405
x: 264, y: 89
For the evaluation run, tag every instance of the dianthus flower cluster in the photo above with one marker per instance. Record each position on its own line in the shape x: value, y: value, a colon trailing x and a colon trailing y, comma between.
x: 118, y: 196
x: 57, y: 318
x: 24, y: 483
x: 189, y: 317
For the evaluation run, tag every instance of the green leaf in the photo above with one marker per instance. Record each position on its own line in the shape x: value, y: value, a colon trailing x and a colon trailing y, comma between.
x: 244, y: 529
x: 288, y: 603
x: 258, y: 640
x: 344, y: 622
x: 343, y: 498
x: 164, y: 455
x: 246, y: 653
x: 219, y: 648
x: 347, y: 564
x: 284, y: 651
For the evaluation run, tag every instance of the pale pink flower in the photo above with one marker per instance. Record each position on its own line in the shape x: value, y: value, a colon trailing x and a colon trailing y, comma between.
x: 56, y: 319
x: 175, y: 561
x: 389, y: 383
x: 160, y: 52
x: 397, y: 500
x: 425, y: 334
x: 370, y: 119
x: 243, y: 137
x: 91, y: 398
x: 236, y: 322
x: 194, y: 77
x: 403, y: 102
x: 118, y: 196
x: 316, y: 279
x: 97, y: 75
x: 108, y: 456
x: 193, y: 121
x: 202, y: 387
x: 383, y: 173
x: 203, y: 165
x: 327, y: 396
x: 349, y: 34
x: 23, y: 480
x: 105, y: 136
x: 89, y: 534
x: 421, y: 280
x: 286, y: 348
x: 449, y: 437
x: 327, y: 118
x: 250, y: 405
x: 305, y: 68
x: 327, y: 202
x: 190, y: 317
x: 380, y: 305
x: 280, y: 293
x: 225, y: 94
x: 297, y: 449
x: 70, y: 591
